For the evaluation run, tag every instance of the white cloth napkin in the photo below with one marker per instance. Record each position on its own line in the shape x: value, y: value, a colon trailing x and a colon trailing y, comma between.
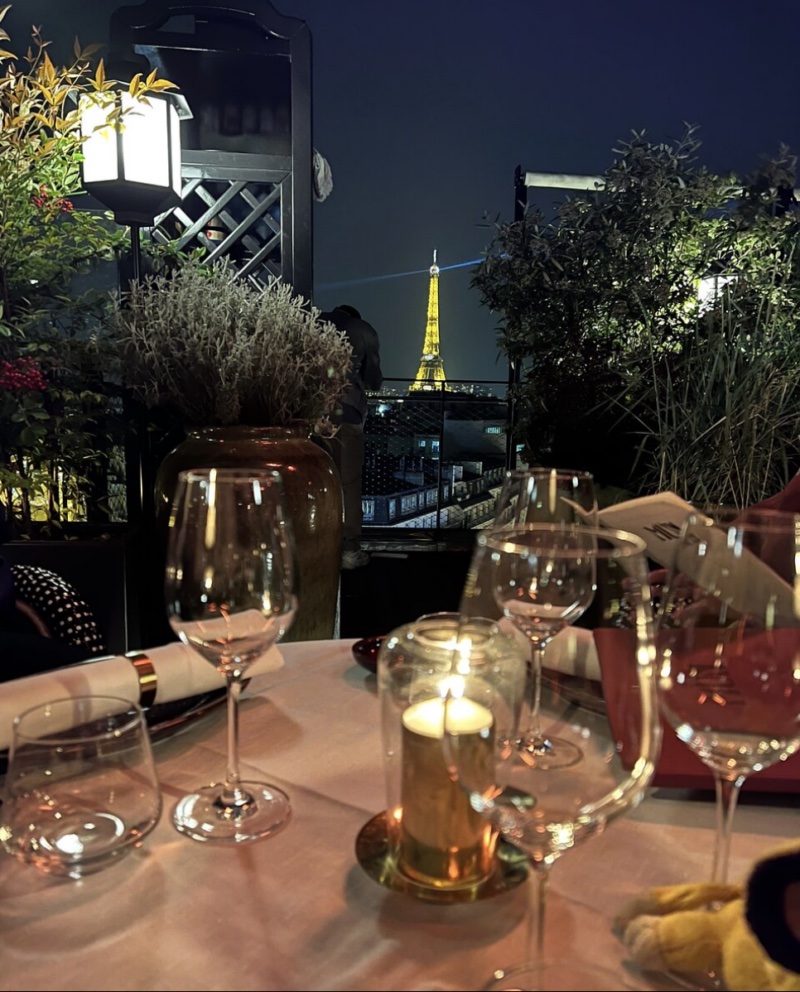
x: 179, y: 671
x: 573, y: 652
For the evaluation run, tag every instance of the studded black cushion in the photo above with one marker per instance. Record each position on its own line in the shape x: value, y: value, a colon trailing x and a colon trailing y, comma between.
x: 59, y: 607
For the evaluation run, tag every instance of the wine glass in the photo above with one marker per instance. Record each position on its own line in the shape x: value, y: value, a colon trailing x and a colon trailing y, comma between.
x: 564, y: 498
x: 608, y: 712
x: 230, y: 596
x: 728, y: 635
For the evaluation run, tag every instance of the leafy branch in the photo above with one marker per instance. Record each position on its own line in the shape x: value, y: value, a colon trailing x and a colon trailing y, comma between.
x: 631, y: 369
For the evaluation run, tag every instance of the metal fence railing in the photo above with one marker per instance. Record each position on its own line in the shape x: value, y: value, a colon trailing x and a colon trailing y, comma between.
x: 435, y: 457
x: 435, y: 460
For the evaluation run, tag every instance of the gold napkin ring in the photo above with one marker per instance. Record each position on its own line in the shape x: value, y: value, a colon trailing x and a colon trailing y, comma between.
x: 148, y: 680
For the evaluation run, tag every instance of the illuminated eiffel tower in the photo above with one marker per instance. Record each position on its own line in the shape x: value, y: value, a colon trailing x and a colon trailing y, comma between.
x: 431, y: 367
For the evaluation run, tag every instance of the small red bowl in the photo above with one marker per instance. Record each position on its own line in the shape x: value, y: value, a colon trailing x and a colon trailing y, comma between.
x: 366, y: 651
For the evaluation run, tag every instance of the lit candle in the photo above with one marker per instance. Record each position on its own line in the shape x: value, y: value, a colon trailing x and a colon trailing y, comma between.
x: 443, y: 841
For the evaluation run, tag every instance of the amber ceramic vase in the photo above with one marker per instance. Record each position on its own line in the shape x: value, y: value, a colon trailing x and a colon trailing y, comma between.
x: 314, y: 498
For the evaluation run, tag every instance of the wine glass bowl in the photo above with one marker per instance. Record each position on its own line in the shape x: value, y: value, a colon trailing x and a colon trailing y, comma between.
x: 729, y: 639
x: 542, y: 580
x: 608, y: 714
x: 546, y: 495
x: 230, y: 596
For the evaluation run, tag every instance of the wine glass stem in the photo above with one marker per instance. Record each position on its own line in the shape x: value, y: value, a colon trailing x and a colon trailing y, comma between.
x: 537, y: 664
x: 233, y: 795
x: 537, y: 890
x: 727, y: 794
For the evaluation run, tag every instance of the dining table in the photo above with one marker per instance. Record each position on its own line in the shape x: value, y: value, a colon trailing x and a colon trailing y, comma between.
x: 300, y: 910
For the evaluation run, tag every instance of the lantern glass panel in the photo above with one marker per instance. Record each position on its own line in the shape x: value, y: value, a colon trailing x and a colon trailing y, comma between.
x: 145, y: 141
x: 100, y: 147
x: 175, y: 151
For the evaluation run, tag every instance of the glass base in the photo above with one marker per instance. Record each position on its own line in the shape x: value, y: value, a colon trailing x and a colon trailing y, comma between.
x: 550, y: 975
x: 76, y: 845
x: 51, y: 834
x: 205, y: 816
x: 698, y: 981
x: 547, y: 752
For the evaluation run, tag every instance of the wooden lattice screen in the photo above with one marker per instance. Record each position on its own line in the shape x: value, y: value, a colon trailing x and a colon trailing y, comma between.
x: 245, y: 71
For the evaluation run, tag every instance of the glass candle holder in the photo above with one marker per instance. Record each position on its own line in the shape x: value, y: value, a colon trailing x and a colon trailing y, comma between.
x: 435, y: 838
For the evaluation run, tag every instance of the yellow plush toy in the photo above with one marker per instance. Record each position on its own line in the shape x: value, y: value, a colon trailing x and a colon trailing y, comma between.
x: 751, y: 938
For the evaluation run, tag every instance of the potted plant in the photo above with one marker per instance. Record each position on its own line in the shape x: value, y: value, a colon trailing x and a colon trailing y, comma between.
x: 654, y: 322
x: 250, y: 375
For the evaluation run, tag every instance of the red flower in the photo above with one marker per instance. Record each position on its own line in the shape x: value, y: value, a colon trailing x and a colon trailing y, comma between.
x: 22, y: 373
x: 40, y: 201
x: 44, y: 201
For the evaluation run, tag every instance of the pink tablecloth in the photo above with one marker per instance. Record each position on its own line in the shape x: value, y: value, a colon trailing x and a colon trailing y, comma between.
x: 297, y: 912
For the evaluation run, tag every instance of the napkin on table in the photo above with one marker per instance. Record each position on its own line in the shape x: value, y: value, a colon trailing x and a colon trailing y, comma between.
x: 158, y: 675
x: 573, y: 652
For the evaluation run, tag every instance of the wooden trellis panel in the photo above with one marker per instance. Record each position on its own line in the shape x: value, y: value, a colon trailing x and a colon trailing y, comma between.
x: 245, y: 71
x: 233, y: 219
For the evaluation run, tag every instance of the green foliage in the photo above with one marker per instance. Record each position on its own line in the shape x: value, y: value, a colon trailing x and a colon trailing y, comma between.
x: 54, y: 438
x: 213, y: 350
x: 626, y: 371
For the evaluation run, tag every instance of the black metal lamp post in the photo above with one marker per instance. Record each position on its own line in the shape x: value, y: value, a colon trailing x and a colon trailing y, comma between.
x: 132, y: 164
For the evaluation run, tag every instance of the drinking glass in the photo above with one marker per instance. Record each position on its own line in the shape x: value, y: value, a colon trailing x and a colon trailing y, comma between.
x: 608, y: 712
x: 728, y: 634
x: 230, y: 596
x: 564, y: 498
x: 81, y: 789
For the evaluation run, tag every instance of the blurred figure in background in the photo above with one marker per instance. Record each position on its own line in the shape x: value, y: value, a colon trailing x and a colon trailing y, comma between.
x: 347, y: 446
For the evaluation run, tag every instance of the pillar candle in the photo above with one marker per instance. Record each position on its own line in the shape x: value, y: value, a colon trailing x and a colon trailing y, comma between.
x: 443, y: 842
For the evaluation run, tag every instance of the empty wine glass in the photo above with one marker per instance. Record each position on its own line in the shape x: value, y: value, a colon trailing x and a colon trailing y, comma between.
x: 230, y: 596
x: 728, y: 632
x: 608, y: 713
x: 564, y: 498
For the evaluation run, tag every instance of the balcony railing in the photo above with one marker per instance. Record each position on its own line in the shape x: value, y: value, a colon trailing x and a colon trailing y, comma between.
x: 435, y: 460
x: 435, y: 454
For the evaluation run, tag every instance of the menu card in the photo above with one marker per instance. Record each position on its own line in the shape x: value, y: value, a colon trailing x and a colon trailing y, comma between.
x: 678, y: 766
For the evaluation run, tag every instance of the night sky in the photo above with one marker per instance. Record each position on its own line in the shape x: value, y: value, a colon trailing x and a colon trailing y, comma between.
x: 424, y: 109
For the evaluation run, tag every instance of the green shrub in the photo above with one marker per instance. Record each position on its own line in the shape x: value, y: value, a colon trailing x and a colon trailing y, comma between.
x: 626, y: 371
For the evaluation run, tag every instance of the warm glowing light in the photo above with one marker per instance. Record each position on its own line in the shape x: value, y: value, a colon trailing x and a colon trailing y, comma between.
x: 464, y: 716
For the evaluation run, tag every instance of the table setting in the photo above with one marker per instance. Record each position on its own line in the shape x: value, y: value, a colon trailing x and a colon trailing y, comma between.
x: 416, y: 826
